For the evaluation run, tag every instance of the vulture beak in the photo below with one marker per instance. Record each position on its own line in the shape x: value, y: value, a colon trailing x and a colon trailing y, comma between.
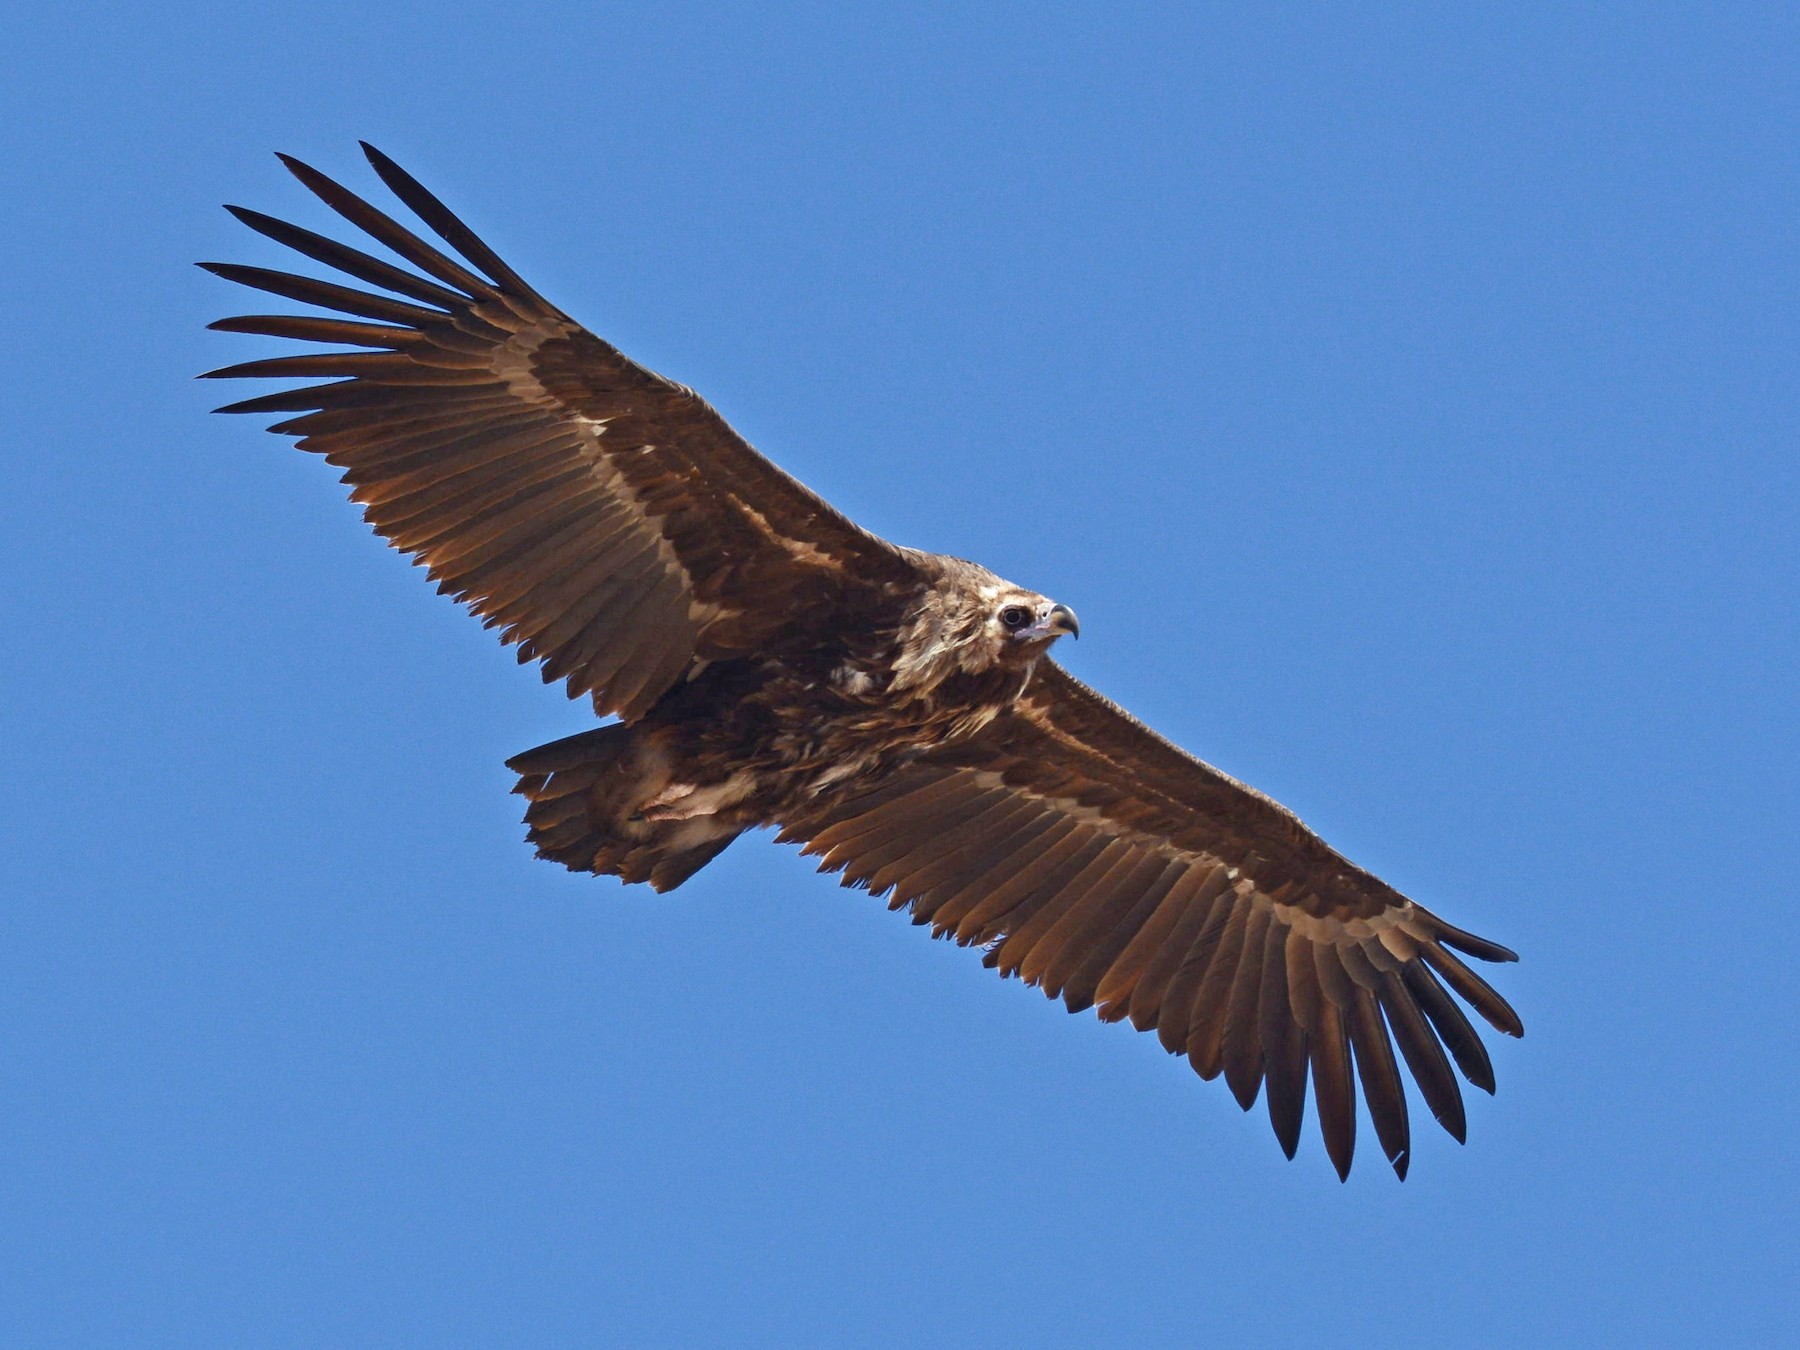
x: 1059, y: 621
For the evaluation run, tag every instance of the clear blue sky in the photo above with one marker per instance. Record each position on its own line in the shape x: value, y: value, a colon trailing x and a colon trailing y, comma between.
x: 1407, y: 404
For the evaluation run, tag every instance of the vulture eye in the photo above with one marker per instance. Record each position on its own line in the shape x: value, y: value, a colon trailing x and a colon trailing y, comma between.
x: 1015, y: 616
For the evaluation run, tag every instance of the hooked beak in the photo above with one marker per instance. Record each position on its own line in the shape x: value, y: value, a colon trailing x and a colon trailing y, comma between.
x: 1059, y: 621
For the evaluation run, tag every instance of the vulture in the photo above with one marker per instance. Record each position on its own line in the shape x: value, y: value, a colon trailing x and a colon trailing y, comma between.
x: 766, y: 661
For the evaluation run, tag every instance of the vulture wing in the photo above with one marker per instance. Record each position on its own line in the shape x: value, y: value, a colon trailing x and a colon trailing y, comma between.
x: 605, y: 519
x: 1110, y: 867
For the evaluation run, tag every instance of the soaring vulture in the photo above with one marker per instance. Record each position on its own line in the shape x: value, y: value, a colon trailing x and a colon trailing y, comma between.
x: 896, y: 712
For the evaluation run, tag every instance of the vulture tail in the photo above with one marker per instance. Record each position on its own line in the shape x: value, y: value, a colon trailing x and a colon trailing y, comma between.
x: 586, y: 793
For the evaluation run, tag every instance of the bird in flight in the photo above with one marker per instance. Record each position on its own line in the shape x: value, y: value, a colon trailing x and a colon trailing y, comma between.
x: 895, y: 712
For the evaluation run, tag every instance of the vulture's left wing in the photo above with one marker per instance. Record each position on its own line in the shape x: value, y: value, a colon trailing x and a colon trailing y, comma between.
x: 1111, y: 867
x: 606, y: 519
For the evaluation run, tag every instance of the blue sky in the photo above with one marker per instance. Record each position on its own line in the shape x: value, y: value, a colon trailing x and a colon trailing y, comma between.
x: 1405, y: 401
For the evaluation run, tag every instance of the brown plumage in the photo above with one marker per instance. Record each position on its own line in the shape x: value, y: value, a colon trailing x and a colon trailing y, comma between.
x: 895, y: 712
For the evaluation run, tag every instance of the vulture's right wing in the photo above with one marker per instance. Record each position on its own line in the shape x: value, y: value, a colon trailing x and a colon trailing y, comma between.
x: 606, y: 519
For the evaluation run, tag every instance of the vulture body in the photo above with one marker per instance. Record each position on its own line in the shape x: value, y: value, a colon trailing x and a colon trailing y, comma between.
x: 896, y: 712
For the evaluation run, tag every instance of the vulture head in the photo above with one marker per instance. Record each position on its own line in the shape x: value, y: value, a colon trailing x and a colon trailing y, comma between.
x: 1027, y: 622
x: 973, y: 622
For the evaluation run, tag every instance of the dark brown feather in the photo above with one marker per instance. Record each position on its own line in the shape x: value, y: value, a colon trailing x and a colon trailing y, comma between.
x: 1241, y: 1046
x: 1206, y: 1015
x: 1025, y: 951
x: 350, y: 261
x: 948, y: 855
x: 1380, y: 1077
x: 1073, y: 937
x: 1452, y: 1028
x: 1019, y: 901
x: 966, y: 851
x: 378, y: 225
x: 324, y: 294
x: 1284, y: 1044
x: 1110, y: 932
x: 316, y: 328
x: 1425, y: 1057
x: 1474, y: 990
x: 1054, y: 851
x: 952, y: 901
x: 1164, y: 996
x: 435, y: 214
x: 1135, y: 984
x: 1333, y: 1092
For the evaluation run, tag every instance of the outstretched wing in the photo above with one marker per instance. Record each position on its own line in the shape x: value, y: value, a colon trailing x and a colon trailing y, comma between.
x: 1107, y: 865
x: 605, y: 519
